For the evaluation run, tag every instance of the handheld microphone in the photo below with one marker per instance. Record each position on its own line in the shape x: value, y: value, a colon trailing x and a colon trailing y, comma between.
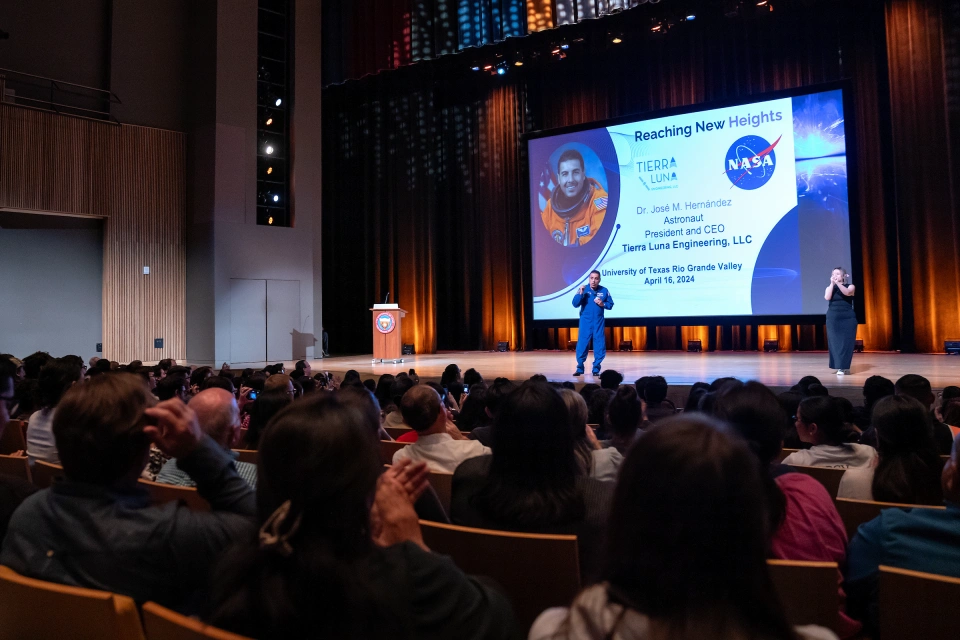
x: 386, y: 297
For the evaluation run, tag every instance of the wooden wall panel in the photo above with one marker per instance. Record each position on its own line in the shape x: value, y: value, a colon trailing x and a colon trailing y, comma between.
x: 134, y: 178
x: 147, y: 228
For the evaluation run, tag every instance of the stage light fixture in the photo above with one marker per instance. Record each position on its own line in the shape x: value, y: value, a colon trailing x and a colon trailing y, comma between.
x: 691, y: 16
x: 564, y: 46
x: 269, y: 122
x: 475, y: 68
x: 695, y: 346
x: 858, y: 346
x: 617, y: 40
x: 503, y: 346
x: 269, y: 150
x: 408, y: 350
x: 270, y: 220
x: 771, y: 346
x: 502, y: 69
x: 952, y: 347
x: 276, y: 198
x: 487, y: 67
x: 626, y: 345
x: 269, y: 170
x: 278, y: 102
x: 762, y: 3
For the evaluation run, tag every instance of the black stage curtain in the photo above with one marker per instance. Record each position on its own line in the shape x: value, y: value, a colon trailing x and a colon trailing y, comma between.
x: 423, y: 173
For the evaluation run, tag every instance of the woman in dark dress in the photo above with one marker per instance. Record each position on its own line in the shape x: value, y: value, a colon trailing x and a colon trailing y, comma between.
x: 841, y: 321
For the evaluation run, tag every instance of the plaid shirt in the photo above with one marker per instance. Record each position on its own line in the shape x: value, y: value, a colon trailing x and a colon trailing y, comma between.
x: 172, y: 474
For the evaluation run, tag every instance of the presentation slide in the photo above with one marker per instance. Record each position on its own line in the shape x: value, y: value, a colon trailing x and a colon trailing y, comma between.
x: 733, y: 211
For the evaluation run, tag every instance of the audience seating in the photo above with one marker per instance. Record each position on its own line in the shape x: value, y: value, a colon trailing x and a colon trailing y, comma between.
x: 442, y: 483
x: 396, y: 432
x: 855, y: 512
x: 44, y: 473
x: 15, y: 466
x: 37, y: 610
x: 388, y: 448
x: 537, y: 571
x: 14, y: 437
x: 786, y: 452
x: 161, y: 623
x: 164, y: 493
x: 918, y: 605
x: 247, y: 455
x: 808, y: 591
x: 829, y: 478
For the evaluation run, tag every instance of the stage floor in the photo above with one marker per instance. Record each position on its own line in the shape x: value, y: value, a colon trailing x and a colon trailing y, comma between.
x: 679, y: 368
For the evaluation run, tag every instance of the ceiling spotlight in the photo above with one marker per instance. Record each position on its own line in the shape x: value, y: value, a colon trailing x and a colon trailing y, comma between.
x: 487, y: 67
x: 556, y: 50
x: 269, y: 170
x: 564, y: 46
x: 276, y: 198
x: 691, y: 16
x: 270, y: 220
x: 269, y: 149
x: 762, y: 3
x: 475, y: 68
x: 518, y: 63
x: 617, y: 40
x: 278, y: 102
x: 269, y: 122
x: 657, y: 28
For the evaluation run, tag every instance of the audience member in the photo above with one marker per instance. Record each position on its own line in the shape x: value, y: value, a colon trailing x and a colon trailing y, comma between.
x: 495, y: 395
x: 587, y: 391
x: 948, y: 394
x: 302, y: 369
x: 874, y: 388
x: 803, y: 521
x: 697, y: 391
x: 951, y: 416
x: 598, y: 461
x: 95, y: 527
x: 267, y: 405
x: 172, y: 386
x: 662, y: 576
x: 533, y: 481
x: 219, y: 418
x: 442, y: 448
x: 925, y: 540
x: 451, y: 381
x: 471, y: 377
x: 13, y: 490
x: 624, y: 415
x: 279, y: 382
x: 325, y: 561
x: 34, y: 363
x: 833, y: 442
x: 610, y: 379
x: 908, y: 467
x: 918, y: 388
x: 165, y: 366
x: 655, y: 397
x: 597, y: 411
x: 473, y: 411
x: 218, y: 382
x: 382, y: 392
x: 55, y: 379
x: 400, y: 386
x: 197, y: 377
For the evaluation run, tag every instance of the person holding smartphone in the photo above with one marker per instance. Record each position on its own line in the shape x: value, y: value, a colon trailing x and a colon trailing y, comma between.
x: 841, y: 320
x: 592, y: 300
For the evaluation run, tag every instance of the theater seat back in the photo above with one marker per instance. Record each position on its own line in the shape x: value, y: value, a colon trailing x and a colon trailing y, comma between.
x: 38, y: 610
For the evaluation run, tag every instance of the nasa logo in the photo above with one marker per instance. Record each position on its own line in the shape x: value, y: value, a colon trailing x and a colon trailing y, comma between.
x: 385, y: 323
x: 750, y: 162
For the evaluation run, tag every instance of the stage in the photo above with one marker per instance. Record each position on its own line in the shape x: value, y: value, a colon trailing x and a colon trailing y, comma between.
x: 681, y: 369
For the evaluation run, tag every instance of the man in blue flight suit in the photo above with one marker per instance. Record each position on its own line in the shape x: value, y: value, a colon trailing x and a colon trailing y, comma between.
x: 592, y: 301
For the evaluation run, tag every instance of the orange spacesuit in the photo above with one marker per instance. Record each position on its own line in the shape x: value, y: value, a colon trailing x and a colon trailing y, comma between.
x: 580, y: 223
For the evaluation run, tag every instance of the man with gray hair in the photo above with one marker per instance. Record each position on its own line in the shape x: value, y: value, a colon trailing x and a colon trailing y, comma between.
x: 219, y: 418
x: 436, y: 445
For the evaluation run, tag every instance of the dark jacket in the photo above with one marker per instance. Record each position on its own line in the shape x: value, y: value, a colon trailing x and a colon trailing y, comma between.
x: 92, y: 536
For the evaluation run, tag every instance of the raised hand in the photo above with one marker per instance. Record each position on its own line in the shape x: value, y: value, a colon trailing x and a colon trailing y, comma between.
x: 174, y: 428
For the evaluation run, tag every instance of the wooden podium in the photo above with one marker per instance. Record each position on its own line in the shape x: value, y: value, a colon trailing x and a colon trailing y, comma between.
x: 387, y: 345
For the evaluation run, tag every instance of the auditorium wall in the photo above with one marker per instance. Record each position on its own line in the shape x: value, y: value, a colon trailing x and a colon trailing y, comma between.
x: 51, y: 285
